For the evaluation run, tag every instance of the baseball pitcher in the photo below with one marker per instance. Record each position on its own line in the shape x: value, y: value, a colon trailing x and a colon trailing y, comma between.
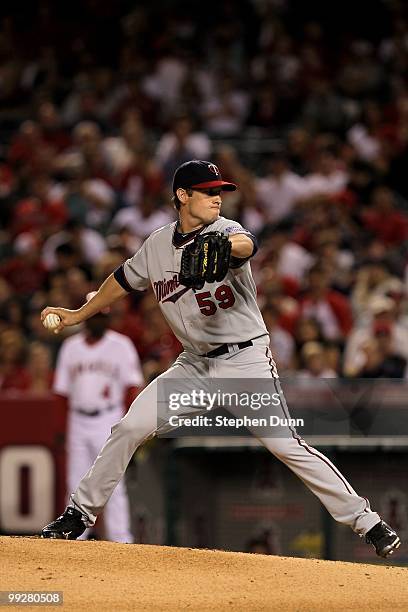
x: 200, y: 272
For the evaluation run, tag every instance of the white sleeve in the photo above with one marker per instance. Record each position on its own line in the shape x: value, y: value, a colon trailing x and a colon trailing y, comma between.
x: 131, y: 369
x: 62, y: 376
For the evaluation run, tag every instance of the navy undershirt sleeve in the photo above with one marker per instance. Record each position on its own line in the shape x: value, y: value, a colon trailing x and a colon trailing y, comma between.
x: 237, y: 262
x: 120, y: 277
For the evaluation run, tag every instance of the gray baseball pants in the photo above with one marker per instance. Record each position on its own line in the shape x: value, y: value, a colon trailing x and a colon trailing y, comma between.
x: 140, y: 423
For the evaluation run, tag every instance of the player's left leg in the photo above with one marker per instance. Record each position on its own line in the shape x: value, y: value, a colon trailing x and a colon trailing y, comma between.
x: 322, y: 477
x: 317, y: 472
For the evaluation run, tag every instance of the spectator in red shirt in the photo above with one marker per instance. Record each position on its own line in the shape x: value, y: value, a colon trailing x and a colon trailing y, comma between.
x: 44, y: 210
x: 126, y: 321
x: 13, y: 374
x: 40, y: 372
x: 25, y: 272
x: 25, y: 144
x: 88, y: 151
x: 52, y: 131
x: 327, y: 306
x: 385, y: 222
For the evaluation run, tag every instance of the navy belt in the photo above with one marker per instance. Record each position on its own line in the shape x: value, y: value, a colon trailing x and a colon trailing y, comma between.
x: 223, y: 349
x: 93, y: 413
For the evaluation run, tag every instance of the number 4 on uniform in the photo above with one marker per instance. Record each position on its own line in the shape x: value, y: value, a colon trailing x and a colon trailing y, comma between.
x: 224, y: 298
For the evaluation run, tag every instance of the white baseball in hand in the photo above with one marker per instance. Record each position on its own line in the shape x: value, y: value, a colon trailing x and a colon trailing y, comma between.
x: 51, y: 321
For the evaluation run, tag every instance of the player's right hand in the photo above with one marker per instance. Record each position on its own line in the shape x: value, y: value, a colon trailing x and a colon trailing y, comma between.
x: 68, y: 317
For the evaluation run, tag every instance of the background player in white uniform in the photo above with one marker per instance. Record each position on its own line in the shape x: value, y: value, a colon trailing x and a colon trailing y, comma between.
x: 96, y: 370
x: 224, y: 336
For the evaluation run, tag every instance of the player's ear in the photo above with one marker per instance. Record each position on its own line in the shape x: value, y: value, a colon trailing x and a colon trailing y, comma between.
x: 182, y: 195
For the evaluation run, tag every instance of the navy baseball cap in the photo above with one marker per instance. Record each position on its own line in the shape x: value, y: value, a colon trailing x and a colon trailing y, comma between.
x: 201, y: 175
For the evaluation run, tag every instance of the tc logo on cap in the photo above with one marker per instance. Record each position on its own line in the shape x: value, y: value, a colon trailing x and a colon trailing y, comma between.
x: 214, y: 169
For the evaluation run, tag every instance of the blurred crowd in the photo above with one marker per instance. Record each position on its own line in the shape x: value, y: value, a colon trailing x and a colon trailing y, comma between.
x: 95, y: 115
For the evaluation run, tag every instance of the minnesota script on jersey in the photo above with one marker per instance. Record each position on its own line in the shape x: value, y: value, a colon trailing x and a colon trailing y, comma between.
x: 220, y: 312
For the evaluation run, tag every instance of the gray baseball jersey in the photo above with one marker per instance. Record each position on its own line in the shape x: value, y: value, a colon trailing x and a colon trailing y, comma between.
x: 221, y: 313
x: 201, y: 319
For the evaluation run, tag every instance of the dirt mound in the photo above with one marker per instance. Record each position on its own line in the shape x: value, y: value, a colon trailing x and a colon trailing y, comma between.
x: 108, y: 576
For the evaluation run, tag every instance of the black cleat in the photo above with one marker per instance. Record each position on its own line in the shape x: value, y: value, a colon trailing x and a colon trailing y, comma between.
x: 68, y: 526
x: 383, y: 538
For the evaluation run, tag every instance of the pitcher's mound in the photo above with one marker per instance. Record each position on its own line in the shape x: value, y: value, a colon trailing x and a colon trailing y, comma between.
x: 108, y: 576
